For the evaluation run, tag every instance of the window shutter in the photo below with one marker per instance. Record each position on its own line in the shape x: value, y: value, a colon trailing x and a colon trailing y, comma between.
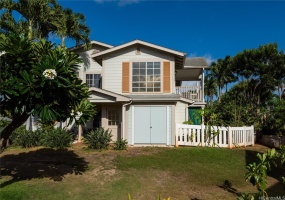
x: 166, y: 77
x: 126, y: 77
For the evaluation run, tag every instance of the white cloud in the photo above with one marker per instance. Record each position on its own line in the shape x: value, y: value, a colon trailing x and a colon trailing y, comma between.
x: 127, y: 2
x: 119, y: 2
x: 209, y: 58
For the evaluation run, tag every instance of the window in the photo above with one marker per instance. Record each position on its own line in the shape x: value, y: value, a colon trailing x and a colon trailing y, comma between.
x: 146, y: 77
x: 93, y: 80
x: 113, y: 117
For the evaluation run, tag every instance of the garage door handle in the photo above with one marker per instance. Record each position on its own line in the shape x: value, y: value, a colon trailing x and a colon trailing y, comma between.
x: 151, y: 127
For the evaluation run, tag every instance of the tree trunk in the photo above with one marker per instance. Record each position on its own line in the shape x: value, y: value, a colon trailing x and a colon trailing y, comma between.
x: 30, y: 33
x: 79, y: 133
x: 17, y: 121
x: 63, y: 41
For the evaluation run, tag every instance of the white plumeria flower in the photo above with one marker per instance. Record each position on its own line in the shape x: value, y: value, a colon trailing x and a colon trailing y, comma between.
x: 78, y: 115
x: 50, y: 74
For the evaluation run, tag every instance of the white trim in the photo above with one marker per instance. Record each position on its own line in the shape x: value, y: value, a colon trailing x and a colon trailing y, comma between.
x: 167, y: 125
x: 131, y: 75
x: 195, y: 67
x: 141, y: 43
x: 133, y: 125
x: 112, y: 94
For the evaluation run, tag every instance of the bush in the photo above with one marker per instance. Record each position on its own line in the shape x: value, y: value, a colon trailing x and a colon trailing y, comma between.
x: 3, y: 124
x: 120, y: 144
x: 98, y: 139
x: 189, y: 122
x: 25, y: 138
x: 57, y: 138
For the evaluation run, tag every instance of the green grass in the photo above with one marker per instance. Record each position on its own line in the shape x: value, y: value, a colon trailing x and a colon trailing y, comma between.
x: 145, y: 173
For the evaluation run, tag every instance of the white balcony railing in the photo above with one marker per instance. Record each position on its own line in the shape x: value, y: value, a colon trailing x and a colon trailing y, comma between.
x: 190, y: 92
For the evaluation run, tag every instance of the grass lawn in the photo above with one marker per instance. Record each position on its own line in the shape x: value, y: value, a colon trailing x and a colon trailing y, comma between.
x: 144, y: 172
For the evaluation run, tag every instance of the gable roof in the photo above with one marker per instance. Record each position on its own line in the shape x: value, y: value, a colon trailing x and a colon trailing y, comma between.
x: 115, y: 96
x: 198, y: 62
x: 91, y: 42
x: 179, y: 56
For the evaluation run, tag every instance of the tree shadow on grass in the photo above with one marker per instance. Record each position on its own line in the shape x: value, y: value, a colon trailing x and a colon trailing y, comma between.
x: 229, y: 188
x: 42, y: 163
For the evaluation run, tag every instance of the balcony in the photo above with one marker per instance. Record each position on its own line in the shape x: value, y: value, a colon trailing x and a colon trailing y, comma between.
x: 194, y: 93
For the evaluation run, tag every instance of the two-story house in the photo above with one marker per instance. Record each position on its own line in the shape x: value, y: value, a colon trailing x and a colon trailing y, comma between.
x: 138, y: 92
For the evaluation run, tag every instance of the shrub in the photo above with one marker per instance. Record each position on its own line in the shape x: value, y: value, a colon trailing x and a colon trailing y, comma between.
x: 120, y: 144
x: 189, y: 122
x: 4, y: 123
x: 98, y: 139
x: 57, y: 138
x: 26, y: 138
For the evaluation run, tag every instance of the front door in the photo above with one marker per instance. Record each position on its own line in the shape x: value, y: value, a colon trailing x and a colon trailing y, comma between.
x: 114, y: 122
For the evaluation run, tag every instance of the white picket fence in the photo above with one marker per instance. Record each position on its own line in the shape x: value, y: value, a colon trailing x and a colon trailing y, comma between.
x: 229, y: 137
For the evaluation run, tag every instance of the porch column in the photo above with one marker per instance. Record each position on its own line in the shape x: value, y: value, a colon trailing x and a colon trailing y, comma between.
x: 203, y: 85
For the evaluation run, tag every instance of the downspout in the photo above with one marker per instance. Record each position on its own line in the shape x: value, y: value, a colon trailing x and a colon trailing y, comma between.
x: 123, y: 120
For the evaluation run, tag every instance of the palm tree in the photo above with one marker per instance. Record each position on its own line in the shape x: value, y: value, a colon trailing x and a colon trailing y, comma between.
x: 71, y: 25
x: 210, y: 87
x: 228, y: 75
x: 40, y: 18
x: 37, y: 15
x: 217, y: 73
x: 8, y: 24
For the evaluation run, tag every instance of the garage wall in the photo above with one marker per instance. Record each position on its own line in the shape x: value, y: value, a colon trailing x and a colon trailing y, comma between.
x: 180, y: 112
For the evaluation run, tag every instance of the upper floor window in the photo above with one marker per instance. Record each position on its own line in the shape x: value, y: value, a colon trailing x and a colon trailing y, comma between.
x: 146, y: 77
x: 93, y: 80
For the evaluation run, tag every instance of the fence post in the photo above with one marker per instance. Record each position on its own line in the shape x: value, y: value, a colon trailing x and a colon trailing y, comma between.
x: 202, y: 134
x: 176, y: 136
x: 252, y: 133
x: 244, y: 136
x: 230, y: 137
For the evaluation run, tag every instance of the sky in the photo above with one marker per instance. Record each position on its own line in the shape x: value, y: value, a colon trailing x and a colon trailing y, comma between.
x: 211, y: 29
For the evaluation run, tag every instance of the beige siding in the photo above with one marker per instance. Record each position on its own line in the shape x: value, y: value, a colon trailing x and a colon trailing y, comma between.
x: 89, y: 66
x: 112, y: 64
x: 180, y: 112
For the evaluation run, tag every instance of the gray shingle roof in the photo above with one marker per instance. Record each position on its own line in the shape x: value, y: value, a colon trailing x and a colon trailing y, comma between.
x: 197, y: 61
x: 169, y: 97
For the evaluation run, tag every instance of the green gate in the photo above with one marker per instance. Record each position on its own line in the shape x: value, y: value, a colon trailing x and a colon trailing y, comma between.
x: 194, y: 114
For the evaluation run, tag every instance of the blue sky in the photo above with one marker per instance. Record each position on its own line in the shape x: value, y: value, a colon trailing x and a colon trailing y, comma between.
x: 212, y: 29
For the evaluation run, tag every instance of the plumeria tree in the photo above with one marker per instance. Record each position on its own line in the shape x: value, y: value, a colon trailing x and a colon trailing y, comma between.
x: 84, y: 111
x: 37, y: 78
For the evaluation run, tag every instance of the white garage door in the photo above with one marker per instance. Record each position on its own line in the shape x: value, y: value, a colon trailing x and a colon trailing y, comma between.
x: 150, y: 125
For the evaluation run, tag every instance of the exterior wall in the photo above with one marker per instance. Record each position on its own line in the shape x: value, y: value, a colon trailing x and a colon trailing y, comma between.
x: 112, y: 65
x: 116, y: 130
x: 89, y: 66
x: 181, y: 112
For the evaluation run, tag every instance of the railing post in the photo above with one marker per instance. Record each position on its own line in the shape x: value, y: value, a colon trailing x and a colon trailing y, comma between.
x: 230, y: 137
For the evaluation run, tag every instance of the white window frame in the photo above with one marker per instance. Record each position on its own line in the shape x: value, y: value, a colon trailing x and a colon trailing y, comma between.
x: 94, y: 81
x: 150, y: 70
